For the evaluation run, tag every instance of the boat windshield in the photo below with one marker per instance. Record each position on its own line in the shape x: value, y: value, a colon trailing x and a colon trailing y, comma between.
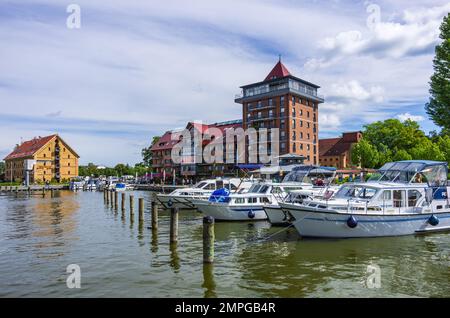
x: 200, y: 185
x: 346, y: 192
x: 258, y: 188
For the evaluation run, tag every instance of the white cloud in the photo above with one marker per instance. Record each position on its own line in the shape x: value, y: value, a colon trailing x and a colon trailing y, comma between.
x: 406, y: 116
x: 353, y: 90
x: 329, y: 121
x: 416, y: 33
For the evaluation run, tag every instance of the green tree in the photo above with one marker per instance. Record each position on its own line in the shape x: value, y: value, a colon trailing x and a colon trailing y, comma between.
x: 425, y: 149
x: 365, y: 154
x: 147, y: 155
x: 2, y: 167
x: 438, y: 108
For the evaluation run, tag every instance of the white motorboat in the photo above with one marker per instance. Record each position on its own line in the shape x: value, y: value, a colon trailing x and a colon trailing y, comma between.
x: 182, y: 198
x: 405, y: 197
x: 316, y: 183
x: 247, y: 206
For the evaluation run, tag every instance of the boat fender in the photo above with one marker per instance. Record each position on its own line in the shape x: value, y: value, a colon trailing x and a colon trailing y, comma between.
x: 433, y: 220
x: 170, y: 203
x: 251, y: 214
x: 352, y: 222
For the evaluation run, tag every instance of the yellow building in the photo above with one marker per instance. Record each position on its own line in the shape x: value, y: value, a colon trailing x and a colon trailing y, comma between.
x: 48, y: 158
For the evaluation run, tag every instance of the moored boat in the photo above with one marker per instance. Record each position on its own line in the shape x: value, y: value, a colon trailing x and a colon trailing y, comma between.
x: 406, y: 197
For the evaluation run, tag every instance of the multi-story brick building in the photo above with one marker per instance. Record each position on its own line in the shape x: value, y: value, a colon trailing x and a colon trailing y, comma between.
x: 162, y: 163
x: 52, y: 159
x: 337, y: 152
x: 286, y: 102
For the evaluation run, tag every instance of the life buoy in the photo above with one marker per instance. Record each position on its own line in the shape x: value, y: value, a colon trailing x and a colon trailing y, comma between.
x: 251, y: 214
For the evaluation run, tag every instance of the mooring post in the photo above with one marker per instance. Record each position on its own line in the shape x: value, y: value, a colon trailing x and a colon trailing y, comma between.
x: 116, y: 200
x: 123, y: 202
x: 111, y: 197
x: 43, y: 192
x: 131, y: 207
x: 208, y: 239
x: 107, y: 196
x: 141, y: 210
x: 105, y: 199
x: 154, y: 215
x: 52, y: 193
x: 173, y: 225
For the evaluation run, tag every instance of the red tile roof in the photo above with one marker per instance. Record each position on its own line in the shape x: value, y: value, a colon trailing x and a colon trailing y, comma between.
x: 278, y: 71
x: 338, y: 146
x: 165, y: 142
x: 29, y: 148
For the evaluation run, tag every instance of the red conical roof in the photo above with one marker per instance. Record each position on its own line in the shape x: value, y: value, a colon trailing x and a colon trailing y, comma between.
x: 278, y: 71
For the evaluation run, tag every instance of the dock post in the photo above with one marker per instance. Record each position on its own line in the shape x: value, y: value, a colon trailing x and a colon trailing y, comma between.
x: 141, y: 210
x: 208, y: 239
x: 107, y: 196
x: 17, y: 192
x: 173, y: 225
x: 154, y: 215
x: 116, y: 200
x: 43, y: 192
x: 123, y: 202
x: 111, y: 197
x: 131, y: 207
x: 52, y: 193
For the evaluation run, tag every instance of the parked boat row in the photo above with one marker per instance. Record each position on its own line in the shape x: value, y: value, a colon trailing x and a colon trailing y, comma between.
x: 99, y: 184
x: 404, y: 197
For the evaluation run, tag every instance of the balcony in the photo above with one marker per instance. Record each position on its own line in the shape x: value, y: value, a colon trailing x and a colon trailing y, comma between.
x: 261, y: 118
x: 284, y: 87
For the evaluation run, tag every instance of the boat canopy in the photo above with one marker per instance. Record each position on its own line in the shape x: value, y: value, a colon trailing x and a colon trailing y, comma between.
x: 413, y: 171
x: 307, y: 174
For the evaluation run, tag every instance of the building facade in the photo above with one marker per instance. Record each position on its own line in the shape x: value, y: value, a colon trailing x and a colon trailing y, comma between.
x: 288, y: 103
x: 337, y: 152
x: 51, y: 158
x: 191, y: 167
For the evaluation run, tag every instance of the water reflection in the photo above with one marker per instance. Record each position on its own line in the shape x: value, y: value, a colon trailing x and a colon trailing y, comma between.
x: 174, y: 257
x: 209, y: 283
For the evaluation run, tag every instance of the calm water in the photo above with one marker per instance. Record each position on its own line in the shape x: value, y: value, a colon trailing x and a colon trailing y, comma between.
x: 40, y: 237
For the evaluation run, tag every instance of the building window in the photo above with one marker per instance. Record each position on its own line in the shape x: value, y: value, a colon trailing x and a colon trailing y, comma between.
x: 301, y: 146
x: 68, y: 164
x: 282, y: 124
x: 301, y: 123
x: 293, y: 111
x: 293, y: 100
x: 282, y: 109
x: 301, y: 135
x: 307, y: 114
x: 307, y: 124
x: 68, y: 156
x: 293, y: 123
x: 259, y: 114
x: 45, y: 155
x: 283, y: 145
x: 282, y: 101
x: 271, y: 113
x: 308, y: 147
x: 307, y: 136
x: 283, y: 133
x: 294, y: 148
x: 270, y: 102
x: 259, y: 104
x: 301, y: 112
x: 293, y: 135
x: 68, y: 172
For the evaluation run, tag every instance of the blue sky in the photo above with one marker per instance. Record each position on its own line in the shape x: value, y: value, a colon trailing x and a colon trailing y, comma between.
x: 138, y: 68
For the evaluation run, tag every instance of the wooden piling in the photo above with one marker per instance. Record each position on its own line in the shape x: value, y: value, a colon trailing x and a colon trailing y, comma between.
x: 52, y: 193
x: 111, y: 197
x: 116, y: 200
x: 141, y: 210
x: 173, y: 225
x: 123, y: 202
x: 154, y: 215
x: 131, y: 207
x: 208, y: 239
x: 107, y: 197
x: 43, y: 192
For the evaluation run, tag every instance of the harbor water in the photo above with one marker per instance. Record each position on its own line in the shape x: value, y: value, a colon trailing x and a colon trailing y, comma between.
x: 40, y: 237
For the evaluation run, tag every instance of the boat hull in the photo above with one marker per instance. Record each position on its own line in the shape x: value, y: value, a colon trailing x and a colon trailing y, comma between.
x: 334, y: 224
x: 178, y: 202
x: 226, y: 212
x: 276, y: 215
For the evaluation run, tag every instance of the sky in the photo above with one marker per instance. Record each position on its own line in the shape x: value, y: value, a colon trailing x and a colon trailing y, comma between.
x: 135, y: 69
